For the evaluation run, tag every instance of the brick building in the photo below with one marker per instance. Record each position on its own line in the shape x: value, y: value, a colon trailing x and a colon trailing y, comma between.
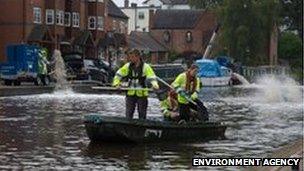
x: 71, y: 25
x: 183, y: 31
x: 144, y: 42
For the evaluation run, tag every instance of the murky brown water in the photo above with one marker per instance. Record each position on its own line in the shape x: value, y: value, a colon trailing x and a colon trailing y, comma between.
x: 46, y: 131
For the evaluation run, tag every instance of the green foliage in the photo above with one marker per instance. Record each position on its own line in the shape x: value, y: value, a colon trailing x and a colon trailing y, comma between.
x: 292, y: 16
x: 290, y: 49
x: 205, y: 4
x: 246, y: 28
x: 290, y: 46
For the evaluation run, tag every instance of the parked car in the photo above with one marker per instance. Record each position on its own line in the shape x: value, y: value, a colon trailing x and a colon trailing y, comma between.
x: 87, y: 69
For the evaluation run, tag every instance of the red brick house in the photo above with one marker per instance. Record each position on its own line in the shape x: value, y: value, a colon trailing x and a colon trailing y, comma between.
x: 112, y: 46
x: 71, y: 25
x: 183, y: 31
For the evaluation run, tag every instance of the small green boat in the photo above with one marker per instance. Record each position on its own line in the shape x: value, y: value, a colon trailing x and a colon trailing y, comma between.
x: 117, y: 129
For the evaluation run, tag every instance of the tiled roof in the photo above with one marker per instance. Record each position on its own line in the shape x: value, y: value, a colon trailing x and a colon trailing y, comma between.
x: 114, y: 11
x: 144, y: 41
x: 83, y: 38
x: 114, y: 39
x: 176, y: 19
x: 38, y: 33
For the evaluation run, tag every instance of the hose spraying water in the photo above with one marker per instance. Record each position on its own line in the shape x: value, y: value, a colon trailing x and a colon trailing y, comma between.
x: 60, y: 73
x: 279, y: 89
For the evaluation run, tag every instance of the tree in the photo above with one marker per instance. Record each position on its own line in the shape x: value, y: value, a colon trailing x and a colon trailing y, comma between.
x: 290, y: 46
x: 246, y: 28
x: 292, y: 16
x: 290, y: 49
x: 240, y: 29
x: 205, y: 4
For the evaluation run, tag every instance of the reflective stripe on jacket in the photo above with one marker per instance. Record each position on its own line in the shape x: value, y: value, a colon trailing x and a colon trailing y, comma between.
x: 147, y: 72
x: 179, y: 85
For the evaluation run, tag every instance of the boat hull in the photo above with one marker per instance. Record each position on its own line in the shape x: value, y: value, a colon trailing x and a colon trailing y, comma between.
x: 115, y: 129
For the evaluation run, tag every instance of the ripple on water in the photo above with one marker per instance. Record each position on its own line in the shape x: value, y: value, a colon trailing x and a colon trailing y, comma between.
x: 14, y: 119
x: 46, y: 132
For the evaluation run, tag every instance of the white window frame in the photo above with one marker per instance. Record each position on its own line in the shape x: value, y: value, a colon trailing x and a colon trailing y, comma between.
x: 67, y: 20
x: 90, y: 22
x: 60, y: 17
x: 37, y: 15
x: 122, y: 27
x: 75, y: 19
x: 100, y: 23
x: 114, y: 25
x: 49, y: 13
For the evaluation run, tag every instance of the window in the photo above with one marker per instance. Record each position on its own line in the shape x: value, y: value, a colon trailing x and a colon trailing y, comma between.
x: 37, y: 15
x: 100, y: 23
x: 59, y: 17
x: 114, y: 25
x: 141, y: 15
x: 49, y: 16
x: 189, y: 37
x: 67, y: 19
x: 76, y: 19
x: 92, y: 22
x: 122, y: 27
x: 166, y: 36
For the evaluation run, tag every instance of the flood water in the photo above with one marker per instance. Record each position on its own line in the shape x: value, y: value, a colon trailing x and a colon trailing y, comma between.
x: 46, y: 131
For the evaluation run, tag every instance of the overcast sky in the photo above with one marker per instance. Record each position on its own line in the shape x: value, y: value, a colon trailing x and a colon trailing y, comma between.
x: 120, y: 3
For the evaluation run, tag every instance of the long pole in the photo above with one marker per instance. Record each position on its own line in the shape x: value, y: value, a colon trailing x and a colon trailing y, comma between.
x: 165, y: 83
x: 171, y: 87
x: 210, y: 44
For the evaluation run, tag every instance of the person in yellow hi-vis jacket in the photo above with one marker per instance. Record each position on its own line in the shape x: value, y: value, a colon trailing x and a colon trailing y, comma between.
x: 187, y: 86
x: 138, y: 74
x: 169, y: 106
x: 42, y: 66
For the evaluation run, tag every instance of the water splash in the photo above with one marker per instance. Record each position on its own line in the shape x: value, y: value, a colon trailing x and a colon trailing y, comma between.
x: 242, y: 79
x: 278, y: 89
x: 60, y: 74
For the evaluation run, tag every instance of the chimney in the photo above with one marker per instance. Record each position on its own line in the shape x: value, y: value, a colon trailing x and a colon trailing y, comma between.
x: 126, y: 3
x: 151, y: 18
x: 134, y: 5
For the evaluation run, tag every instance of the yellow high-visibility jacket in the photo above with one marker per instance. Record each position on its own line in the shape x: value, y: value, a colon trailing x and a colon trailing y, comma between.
x: 147, y: 72
x: 179, y: 85
x: 42, y: 62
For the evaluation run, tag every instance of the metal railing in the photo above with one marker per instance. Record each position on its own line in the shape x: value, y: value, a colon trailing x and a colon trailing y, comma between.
x: 251, y: 73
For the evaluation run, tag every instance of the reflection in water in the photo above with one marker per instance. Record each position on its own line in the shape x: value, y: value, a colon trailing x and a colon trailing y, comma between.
x: 46, y: 132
